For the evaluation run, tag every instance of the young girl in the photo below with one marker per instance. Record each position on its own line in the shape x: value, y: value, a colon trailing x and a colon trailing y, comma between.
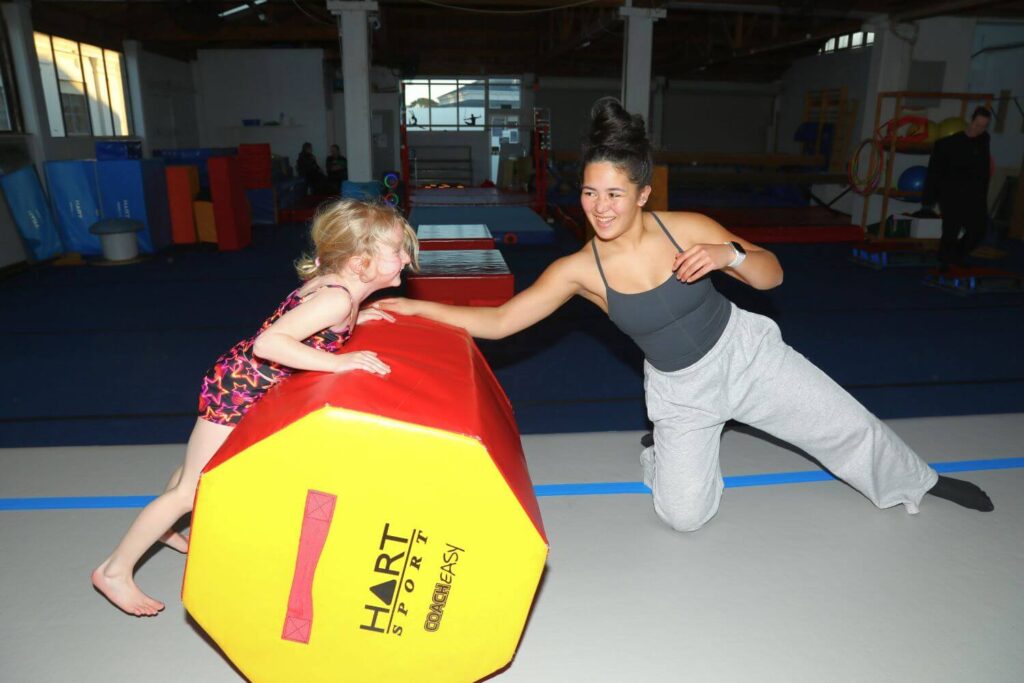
x: 358, y: 249
x: 707, y: 361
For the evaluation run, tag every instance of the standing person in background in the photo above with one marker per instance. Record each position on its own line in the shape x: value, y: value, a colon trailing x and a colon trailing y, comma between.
x: 307, y: 168
x: 958, y: 176
x: 337, y: 166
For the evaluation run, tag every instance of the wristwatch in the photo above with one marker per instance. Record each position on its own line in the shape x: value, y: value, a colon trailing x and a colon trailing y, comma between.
x: 741, y: 254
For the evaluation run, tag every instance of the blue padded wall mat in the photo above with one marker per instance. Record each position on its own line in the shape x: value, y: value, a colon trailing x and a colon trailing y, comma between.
x: 137, y: 188
x: 75, y: 198
x: 31, y: 213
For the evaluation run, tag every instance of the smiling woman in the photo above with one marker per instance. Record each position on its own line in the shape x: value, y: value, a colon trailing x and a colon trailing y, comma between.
x: 707, y: 360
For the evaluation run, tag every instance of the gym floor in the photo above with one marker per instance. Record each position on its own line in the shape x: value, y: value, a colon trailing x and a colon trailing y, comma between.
x: 793, y: 580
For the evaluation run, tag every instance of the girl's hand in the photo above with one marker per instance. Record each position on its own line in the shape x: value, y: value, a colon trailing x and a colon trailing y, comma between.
x: 700, y: 259
x: 373, y: 313
x: 361, y: 360
x: 399, y: 305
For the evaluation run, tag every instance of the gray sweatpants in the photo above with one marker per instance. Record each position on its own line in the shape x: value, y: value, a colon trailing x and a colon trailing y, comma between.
x: 752, y: 376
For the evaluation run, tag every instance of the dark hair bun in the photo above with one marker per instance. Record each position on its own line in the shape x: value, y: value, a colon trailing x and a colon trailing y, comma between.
x: 620, y: 138
x: 612, y: 126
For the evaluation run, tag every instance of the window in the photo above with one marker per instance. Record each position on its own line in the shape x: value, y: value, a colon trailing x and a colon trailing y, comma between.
x: 847, y: 42
x: 83, y: 87
x: 457, y: 104
x: 503, y: 93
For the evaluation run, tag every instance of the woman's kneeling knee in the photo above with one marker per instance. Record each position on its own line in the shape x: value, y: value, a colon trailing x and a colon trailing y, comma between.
x: 686, y: 517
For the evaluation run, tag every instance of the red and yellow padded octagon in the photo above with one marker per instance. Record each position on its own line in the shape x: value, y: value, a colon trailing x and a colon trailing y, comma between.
x: 365, y: 528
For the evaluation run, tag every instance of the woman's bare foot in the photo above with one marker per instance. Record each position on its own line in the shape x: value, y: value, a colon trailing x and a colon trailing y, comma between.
x: 172, y: 539
x: 122, y: 591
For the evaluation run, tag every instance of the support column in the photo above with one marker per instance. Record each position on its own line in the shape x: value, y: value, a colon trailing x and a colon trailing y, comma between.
x: 132, y: 52
x: 890, y: 65
x: 655, y: 126
x: 354, y: 34
x: 18, y: 17
x: 636, y: 58
x: 889, y: 70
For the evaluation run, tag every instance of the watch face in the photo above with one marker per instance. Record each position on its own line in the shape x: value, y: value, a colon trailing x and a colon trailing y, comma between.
x: 738, y: 247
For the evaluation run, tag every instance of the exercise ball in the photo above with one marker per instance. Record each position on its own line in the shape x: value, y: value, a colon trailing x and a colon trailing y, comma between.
x: 951, y: 126
x: 912, y: 181
x: 933, y: 131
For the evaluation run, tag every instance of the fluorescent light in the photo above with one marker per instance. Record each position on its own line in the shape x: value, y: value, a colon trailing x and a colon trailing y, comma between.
x: 239, y: 8
x: 233, y: 10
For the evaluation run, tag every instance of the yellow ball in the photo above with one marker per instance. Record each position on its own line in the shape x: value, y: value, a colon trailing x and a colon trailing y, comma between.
x: 951, y: 126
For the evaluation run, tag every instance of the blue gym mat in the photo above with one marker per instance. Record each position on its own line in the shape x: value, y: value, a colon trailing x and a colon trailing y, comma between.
x: 94, y: 355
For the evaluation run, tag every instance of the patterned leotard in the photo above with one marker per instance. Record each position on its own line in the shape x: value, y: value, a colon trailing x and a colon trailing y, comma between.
x: 238, y: 379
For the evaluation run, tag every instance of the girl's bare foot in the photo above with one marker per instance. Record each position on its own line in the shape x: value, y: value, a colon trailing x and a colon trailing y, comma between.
x: 122, y: 591
x: 172, y: 539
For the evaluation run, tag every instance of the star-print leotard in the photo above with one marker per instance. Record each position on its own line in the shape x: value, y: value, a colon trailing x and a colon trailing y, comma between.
x: 238, y: 379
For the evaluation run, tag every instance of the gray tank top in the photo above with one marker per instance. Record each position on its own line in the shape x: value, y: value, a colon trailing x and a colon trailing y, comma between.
x: 675, y: 323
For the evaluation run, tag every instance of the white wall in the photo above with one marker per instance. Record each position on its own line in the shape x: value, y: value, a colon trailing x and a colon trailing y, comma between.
x: 725, y: 118
x: 817, y: 72
x: 570, y: 100
x: 994, y: 71
x: 284, y: 85
x: 948, y: 40
x: 695, y: 117
x: 168, y: 102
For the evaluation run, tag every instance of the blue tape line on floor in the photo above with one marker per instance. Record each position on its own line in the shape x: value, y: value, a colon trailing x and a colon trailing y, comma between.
x: 774, y: 479
x: 75, y: 503
x: 542, y: 491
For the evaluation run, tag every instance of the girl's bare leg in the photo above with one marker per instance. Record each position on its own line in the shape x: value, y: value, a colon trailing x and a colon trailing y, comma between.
x: 171, y: 538
x: 113, y: 577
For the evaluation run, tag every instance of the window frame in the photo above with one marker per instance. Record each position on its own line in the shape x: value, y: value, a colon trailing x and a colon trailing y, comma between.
x: 460, y: 82
x: 124, y: 98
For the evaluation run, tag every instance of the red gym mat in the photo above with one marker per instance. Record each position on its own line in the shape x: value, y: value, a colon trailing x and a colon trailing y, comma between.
x: 182, y: 188
x: 454, y: 237
x: 472, y: 277
x: 230, y: 207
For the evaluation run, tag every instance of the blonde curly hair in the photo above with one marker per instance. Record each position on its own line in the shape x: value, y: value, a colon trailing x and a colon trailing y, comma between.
x: 347, y: 228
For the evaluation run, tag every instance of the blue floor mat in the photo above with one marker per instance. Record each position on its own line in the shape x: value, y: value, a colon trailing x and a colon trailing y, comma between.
x: 114, y: 355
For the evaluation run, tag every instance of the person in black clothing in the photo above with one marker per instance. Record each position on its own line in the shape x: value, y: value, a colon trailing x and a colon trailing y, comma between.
x: 308, y: 169
x: 337, y: 166
x: 958, y: 177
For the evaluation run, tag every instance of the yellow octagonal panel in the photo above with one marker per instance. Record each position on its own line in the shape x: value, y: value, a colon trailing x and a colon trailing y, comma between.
x: 330, y: 543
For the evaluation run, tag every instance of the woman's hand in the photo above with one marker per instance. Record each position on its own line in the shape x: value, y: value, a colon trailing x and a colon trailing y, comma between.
x: 700, y: 259
x: 399, y: 305
x: 373, y: 313
x: 361, y: 360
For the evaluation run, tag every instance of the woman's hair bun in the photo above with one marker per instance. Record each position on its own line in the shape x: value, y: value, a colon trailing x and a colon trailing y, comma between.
x: 612, y: 126
x: 618, y: 137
